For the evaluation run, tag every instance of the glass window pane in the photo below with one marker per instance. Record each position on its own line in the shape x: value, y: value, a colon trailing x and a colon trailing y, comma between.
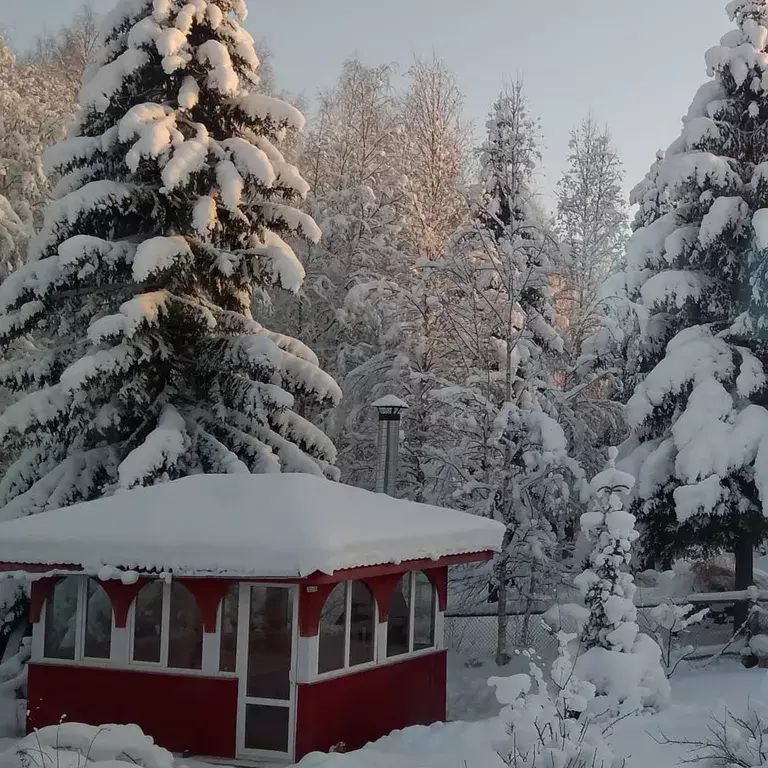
x: 228, y: 645
x: 270, y: 643
x: 61, y: 620
x: 185, y: 630
x: 362, y: 627
x: 424, y: 605
x: 98, y: 621
x: 398, y: 624
x: 148, y: 622
x: 266, y: 727
x: 333, y: 620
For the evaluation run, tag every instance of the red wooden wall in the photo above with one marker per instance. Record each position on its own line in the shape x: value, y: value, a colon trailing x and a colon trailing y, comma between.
x: 364, y: 706
x: 183, y: 713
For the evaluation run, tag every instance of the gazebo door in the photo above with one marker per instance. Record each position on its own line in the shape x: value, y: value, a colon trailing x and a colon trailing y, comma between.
x: 265, y: 665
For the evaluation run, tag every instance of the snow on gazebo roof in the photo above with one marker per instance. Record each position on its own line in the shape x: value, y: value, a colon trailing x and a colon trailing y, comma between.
x: 267, y: 526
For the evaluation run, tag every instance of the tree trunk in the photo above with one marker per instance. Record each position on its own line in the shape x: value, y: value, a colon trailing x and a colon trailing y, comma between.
x: 525, y: 633
x: 501, y: 630
x: 744, y: 576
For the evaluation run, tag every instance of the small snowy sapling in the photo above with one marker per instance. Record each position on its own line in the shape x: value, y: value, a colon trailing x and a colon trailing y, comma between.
x: 623, y: 664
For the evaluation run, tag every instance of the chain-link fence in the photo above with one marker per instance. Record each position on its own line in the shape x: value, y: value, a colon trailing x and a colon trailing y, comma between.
x: 475, y: 635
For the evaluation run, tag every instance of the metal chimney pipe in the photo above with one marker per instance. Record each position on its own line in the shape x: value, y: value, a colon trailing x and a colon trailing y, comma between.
x: 390, y: 409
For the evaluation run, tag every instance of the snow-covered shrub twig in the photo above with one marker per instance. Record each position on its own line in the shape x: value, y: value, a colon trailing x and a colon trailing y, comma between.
x: 76, y: 745
x: 732, y: 741
x: 668, y: 621
x: 547, y: 721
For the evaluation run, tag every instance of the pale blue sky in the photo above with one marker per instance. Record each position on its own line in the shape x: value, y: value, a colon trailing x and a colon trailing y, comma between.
x: 635, y: 63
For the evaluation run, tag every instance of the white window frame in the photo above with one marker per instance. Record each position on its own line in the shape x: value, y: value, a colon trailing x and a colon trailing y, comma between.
x: 165, y: 638
x: 165, y: 620
x: 411, y: 576
x: 80, y: 624
x: 346, y: 668
x: 220, y: 624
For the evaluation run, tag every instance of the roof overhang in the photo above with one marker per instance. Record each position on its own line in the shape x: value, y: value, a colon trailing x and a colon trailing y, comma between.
x: 36, y: 571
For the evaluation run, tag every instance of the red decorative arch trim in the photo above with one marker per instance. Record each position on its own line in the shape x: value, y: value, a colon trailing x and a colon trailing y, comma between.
x: 439, y: 579
x: 122, y: 596
x: 311, y: 602
x: 40, y: 591
x: 209, y: 594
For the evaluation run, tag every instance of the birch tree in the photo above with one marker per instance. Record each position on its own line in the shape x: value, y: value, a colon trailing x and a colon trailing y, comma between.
x: 511, y: 460
x: 591, y: 223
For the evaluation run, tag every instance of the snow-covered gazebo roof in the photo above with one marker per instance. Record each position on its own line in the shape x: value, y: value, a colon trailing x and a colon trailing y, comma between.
x: 267, y: 526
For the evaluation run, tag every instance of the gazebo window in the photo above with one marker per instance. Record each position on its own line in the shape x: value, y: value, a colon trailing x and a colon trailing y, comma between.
x: 78, y: 620
x: 228, y: 630
x: 362, y: 625
x: 347, y: 635
x: 424, y: 611
x: 167, y: 626
x: 148, y: 623
x: 185, y: 633
x: 412, y: 611
x: 61, y: 619
x: 97, y: 643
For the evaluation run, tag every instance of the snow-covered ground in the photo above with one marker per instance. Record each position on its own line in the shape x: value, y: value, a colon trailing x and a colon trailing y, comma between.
x: 696, y: 693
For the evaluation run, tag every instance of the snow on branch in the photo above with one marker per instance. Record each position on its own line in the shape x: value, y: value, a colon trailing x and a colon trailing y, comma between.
x: 258, y: 106
x: 160, y: 450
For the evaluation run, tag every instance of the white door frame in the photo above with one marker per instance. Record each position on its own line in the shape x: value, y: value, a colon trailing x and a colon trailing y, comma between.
x: 243, y: 625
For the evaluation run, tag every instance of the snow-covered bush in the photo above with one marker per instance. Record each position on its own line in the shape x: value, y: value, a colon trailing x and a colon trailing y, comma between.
x: 75, y: 745
x: 623, y: 664
x: 669, y: 621
x: 549, y: 728
x: 13, y: 688
x: 13, y: 672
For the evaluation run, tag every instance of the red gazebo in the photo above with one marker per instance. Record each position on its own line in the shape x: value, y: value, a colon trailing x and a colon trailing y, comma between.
x: 242, y: 616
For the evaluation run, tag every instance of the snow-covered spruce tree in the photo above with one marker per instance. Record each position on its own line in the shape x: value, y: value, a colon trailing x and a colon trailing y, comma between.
x: 624, y: 665
x: 143, y: 362
x: 698, y: 417
x: 509, y: 460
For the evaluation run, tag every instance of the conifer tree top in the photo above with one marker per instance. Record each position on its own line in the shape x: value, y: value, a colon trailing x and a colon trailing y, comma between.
x: 696, y: 268
x: 138, y: 351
